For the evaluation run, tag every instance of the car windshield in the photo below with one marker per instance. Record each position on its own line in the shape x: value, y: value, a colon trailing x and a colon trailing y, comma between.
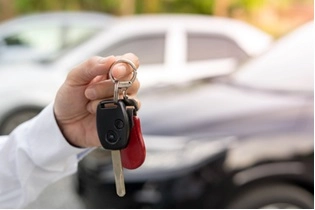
x: 287, y: 66
x: 45, y: 37
x: 44, y: 44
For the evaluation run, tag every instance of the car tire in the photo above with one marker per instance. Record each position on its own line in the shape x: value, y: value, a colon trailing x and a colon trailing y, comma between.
x: 276, y: 196
x: 16, y: 118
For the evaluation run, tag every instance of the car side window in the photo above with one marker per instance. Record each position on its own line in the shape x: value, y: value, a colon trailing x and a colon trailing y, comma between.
x: 203, y: 46
x: 150, y: 48
x: 76, y: 35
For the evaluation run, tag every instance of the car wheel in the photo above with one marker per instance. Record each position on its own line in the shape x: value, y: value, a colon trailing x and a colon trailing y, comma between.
x: 15, y: 119
x: 276, y: 196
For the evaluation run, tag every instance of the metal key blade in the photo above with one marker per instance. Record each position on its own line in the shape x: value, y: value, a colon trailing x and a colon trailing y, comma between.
x: 118, y: 172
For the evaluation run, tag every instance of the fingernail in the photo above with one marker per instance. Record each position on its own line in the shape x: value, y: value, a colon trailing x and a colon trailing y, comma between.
x: 122, y: 69
x: 90, y: 94
x: 119, y: 71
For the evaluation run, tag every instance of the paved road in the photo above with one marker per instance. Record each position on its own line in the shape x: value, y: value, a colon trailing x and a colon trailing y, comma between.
x: 60, y: 195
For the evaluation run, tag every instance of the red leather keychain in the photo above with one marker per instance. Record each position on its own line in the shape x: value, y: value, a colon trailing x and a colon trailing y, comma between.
x: 134, y: 154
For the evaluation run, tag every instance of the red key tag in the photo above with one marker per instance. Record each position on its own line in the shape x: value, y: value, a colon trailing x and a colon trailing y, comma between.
x: 134, y: 154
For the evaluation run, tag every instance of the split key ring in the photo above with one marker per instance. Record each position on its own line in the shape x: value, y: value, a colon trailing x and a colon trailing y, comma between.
x: 122, y: 84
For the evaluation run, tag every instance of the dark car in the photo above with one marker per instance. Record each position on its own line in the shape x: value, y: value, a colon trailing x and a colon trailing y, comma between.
x: 242, y: 141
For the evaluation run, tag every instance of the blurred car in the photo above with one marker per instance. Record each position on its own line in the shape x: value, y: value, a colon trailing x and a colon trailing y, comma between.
x: 43, y: 36
x: 177, y: 48
x: 241, y: 141
x: 171, y: 48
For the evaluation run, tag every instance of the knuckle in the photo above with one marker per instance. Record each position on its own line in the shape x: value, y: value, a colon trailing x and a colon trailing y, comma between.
x: 136, y: 84
x: 90, y: 64
x: 92, y: 61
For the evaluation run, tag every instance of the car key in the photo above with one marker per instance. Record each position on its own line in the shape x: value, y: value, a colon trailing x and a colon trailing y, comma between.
x: 113, y: 125
x: 113, y: 131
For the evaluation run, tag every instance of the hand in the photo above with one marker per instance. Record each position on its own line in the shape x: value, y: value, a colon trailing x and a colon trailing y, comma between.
x: 85, y: 86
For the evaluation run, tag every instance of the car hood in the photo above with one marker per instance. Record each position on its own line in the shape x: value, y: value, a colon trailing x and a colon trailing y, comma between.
x: 220, y: 109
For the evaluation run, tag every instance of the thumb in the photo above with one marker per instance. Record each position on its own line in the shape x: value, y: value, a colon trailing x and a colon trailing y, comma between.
x: 85, y: 72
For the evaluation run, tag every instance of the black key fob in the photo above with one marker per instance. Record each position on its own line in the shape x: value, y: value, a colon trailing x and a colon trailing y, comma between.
x: 112, y: 123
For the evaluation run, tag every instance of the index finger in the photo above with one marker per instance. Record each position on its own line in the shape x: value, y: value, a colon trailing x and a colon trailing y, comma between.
x: 85, y: 72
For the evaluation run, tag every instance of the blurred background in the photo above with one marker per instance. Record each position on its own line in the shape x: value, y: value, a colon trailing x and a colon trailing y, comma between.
x: 236, y: 126
x: 274, y: 17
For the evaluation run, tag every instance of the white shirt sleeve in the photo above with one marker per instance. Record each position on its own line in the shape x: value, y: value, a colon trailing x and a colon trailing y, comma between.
x: 33, y: 156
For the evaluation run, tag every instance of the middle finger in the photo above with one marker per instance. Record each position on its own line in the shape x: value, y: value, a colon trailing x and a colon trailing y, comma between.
x: 105, y: 89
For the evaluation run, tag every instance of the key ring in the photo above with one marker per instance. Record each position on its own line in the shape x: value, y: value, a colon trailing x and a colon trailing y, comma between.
x: 123, y: 84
